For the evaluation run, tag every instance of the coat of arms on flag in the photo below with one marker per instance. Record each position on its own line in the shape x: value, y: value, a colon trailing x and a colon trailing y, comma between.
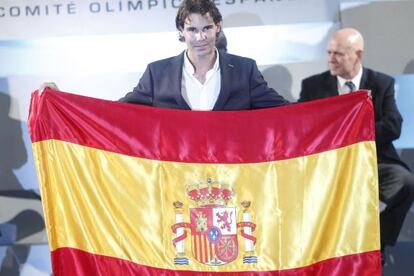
x: 213, y: 224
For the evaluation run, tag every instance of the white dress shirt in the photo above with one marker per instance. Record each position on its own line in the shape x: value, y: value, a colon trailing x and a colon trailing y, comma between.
x: 200, y: 96
x: 343, y: 88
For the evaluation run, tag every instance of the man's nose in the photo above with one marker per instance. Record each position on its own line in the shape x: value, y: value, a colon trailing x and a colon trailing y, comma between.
x: 200, y: 36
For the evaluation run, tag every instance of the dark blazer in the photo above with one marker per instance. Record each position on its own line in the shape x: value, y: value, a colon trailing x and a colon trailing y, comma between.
x: 242, y: 85
x: 388, y: 119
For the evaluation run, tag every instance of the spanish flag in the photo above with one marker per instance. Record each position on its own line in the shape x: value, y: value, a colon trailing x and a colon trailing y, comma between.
x: 135, y: 190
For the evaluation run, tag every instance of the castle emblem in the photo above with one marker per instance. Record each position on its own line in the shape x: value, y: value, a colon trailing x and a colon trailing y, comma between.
x: 214, y: 227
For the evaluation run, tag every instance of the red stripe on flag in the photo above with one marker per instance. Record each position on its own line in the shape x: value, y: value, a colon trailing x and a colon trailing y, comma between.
x: 205, y: 252
x: 196, y: 247
x: 203, y: 137
x: 68, y: 261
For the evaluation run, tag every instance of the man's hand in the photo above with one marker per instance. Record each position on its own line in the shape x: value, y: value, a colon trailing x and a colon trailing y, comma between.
x: 50, y: 85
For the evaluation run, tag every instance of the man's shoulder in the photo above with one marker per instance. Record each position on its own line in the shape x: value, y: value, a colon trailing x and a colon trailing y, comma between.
x: 376, y: 81
x: 162, y: 63
x: 236, y: 59
x: 376, y: 75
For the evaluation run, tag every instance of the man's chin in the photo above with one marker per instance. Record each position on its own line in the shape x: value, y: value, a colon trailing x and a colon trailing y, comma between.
x: 204, y: 52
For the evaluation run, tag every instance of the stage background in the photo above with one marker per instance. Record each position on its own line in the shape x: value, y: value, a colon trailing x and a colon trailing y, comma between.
x: 100, y: 49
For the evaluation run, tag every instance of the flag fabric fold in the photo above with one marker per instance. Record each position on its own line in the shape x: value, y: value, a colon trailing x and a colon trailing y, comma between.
x: 136, y: 190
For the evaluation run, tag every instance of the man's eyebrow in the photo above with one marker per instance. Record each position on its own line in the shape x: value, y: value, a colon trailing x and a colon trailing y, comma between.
x: 193, y: 27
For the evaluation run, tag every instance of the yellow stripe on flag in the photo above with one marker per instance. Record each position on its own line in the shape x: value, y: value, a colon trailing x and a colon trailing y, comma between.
x: 124, y: 207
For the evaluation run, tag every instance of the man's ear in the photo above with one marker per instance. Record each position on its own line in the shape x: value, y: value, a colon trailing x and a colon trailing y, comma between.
x: 181, y: 36
x: 360, y: 54
x: 218, y: 27
x: 218, y: 31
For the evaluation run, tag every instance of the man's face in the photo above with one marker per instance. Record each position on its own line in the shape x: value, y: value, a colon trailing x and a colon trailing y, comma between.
x: 343, y: 60
x: 200, y: 34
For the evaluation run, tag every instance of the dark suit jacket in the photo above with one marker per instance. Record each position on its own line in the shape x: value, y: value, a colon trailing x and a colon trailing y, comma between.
x: 242, y: 85
x: 388, y: 119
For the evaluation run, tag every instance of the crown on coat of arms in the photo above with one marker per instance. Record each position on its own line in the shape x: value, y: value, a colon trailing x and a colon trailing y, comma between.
x: 210, y: 193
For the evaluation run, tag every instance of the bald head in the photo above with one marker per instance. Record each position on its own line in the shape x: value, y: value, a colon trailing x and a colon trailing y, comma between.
x: 345, y: 50
x: 349, y: 37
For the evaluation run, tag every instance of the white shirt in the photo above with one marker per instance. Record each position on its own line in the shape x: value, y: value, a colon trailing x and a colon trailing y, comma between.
x: 197, y: 95
x: 344, y: 89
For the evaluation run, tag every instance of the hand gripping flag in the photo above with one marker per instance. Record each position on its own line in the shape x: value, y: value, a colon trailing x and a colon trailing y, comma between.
x: 136, y: 190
